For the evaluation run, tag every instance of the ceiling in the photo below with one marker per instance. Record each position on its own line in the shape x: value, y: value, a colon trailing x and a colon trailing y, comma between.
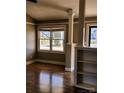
x: 56, y: 9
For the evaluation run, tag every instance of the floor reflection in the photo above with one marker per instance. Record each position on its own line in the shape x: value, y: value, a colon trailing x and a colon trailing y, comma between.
x: 46, y: 78
x: 51, y: 82
x: 32, y: 81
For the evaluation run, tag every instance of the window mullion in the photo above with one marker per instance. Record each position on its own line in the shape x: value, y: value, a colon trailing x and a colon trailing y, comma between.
x: 50, y: 40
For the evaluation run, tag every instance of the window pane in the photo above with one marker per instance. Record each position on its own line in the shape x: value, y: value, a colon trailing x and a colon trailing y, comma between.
x: 93, y: 37
x: 58, y: 35
x: 45, y: 44
x: 44, y: 34
x: 57, y: 45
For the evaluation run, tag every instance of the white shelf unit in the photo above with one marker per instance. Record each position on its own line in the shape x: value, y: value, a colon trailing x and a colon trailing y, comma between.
x: 86, y: 68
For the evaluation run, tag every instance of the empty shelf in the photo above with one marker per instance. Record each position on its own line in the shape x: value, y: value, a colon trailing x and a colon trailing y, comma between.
x: 88, y: 62
x: 87, y: 86
x: 87, y: 73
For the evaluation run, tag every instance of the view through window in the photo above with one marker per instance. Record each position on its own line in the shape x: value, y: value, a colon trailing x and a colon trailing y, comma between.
x: 57, y: 40
x: 93, y: 36
x: 45, y: 40
x: 52, y: 40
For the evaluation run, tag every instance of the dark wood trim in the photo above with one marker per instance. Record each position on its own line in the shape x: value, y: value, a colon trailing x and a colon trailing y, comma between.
x: 36, y: 30
x: 64, y: 20
x: 81, y: 21
x: 90, y: 32
x: 31, y: 18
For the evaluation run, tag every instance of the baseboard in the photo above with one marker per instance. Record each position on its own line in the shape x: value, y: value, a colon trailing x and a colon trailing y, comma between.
x: 69, y: 69
x: 29, y: 62
x: 51, y: 62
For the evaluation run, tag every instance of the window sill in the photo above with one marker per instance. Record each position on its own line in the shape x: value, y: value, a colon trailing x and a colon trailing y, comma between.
x: 56, y: 52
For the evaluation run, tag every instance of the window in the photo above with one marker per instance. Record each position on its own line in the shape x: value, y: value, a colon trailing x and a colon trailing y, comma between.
x: 57, y: 40
x: 93, y: 36
x: 44, y: 40
x: 51, y: 40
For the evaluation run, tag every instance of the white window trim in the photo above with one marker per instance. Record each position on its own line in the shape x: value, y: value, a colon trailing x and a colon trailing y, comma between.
x: 51, y: 51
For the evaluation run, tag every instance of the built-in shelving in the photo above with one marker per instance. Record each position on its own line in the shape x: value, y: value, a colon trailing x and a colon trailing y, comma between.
x: 87, y: 73
x: 86, y: 68
x: 87, y: 62
x: 87, y: 86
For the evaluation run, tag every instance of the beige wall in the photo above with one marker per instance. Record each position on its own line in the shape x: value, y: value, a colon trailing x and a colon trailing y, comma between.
x: 51, y: 56
x: 30, y: 38
x: 75, y: 33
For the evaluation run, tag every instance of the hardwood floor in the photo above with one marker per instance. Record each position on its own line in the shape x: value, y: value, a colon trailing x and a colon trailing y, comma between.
x: 49, y: 78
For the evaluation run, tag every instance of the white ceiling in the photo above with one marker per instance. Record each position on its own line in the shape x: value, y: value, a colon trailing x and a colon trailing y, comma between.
x: 56, y: 9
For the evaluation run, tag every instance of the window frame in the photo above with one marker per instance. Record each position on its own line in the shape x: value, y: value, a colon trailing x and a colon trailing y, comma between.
x: 90, y: 34
x: 87, y: 33
x: 51, y: 27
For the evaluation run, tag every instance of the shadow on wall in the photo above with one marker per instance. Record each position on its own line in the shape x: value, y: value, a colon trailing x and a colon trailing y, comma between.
x: 30, y: 39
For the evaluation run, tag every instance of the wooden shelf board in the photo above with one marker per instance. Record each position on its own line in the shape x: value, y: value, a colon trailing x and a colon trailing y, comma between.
x: 87, y: 48
x: 88, y: 62
x: 87, y: 73
x: 87, y: 86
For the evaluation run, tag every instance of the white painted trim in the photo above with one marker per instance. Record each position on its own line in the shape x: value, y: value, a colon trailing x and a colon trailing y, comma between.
x: 91, y: 89
x: 69, y: 69
x: 29, y: 62
x: 74, y: 44
x: 69, y: 43
x: 30, y: 23
x: 51, y: 62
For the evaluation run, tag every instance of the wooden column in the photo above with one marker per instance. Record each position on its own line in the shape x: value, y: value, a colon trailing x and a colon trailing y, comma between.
x: 81, y: 21
x: 70, y: 26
